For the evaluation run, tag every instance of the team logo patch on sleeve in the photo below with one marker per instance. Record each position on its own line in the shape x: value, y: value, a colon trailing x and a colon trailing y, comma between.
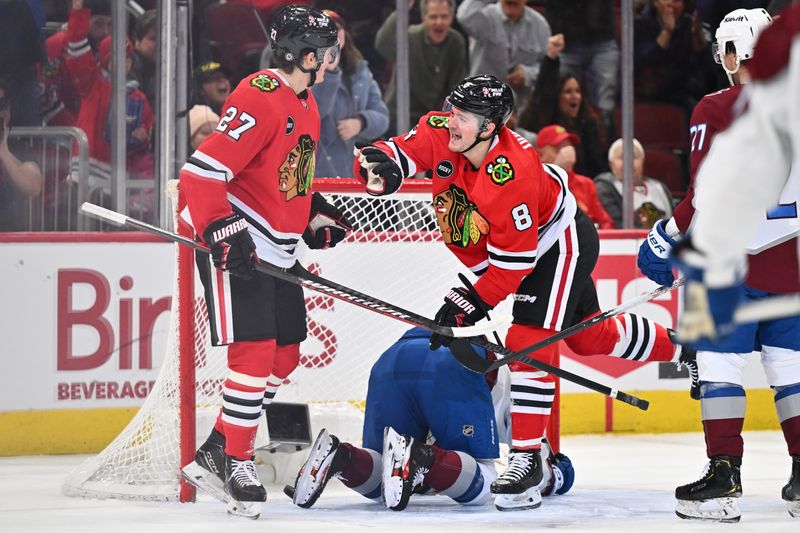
x: 500, y: 170
x: 437, y: 121
x: 458, y: 218
x: 297, y: 170
x: 265, y: 83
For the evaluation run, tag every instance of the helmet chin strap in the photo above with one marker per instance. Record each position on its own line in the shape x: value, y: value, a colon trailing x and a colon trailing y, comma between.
x: 731, y: 73
x: 478, y: 138
x: 312, y: 72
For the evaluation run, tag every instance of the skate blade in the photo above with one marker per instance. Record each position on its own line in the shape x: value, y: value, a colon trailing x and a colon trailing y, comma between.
x: 205, y: 481
x: 728, y: 510
x: 530, y: 499
x: 793, y: 508
x: 251, y: 510
x: 392, y: 486
x: 313, y: 472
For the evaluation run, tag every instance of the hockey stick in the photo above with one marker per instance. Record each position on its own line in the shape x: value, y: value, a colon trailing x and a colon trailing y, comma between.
x: 319, y: 284
x: 306, y: 279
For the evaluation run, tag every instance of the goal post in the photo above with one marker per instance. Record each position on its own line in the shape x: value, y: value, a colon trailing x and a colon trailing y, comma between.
x: 394, y: 253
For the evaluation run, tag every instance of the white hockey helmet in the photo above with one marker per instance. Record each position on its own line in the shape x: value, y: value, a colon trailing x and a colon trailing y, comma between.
x: 740, y: 28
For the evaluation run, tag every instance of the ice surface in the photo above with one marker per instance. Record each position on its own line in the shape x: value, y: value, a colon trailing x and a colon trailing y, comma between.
x: 623, y: 483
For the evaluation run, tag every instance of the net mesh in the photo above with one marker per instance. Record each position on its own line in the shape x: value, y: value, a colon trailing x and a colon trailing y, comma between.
x: 394, y: 254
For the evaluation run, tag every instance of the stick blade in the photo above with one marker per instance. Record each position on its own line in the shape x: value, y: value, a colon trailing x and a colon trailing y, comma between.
x: 96, y: 211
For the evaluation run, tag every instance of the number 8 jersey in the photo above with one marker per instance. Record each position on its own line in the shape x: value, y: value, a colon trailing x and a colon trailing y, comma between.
x: 497, y: 219
x: 259, y: 162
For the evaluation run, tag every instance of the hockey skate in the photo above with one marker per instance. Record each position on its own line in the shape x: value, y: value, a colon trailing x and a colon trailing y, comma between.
x: 720, y: 484
x: 405, y: 463
x: 327, y: 459
x: 517, y: 489
x: 207, y: 472
x: 791, y: 491
x: 245, y: 492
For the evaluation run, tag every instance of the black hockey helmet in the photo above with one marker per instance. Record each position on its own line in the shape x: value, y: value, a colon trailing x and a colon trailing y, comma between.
x: 297, y: 30
x: 485, y: 96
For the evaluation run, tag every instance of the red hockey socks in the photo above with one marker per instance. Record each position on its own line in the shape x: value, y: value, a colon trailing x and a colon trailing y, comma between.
x: 249, y: 365
x: 532, y: 391
x: 625, y: 336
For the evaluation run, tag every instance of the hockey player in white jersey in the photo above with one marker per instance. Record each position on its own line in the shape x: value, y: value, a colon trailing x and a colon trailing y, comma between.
x: 414, y: 390
x: 746, y: 201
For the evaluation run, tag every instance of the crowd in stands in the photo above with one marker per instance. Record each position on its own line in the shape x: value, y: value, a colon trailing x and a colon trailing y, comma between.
x: 561, y: 58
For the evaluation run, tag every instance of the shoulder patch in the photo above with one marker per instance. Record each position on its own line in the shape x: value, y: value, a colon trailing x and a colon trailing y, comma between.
x: 500, y: 170
x: 437, y: 121
x: 265, y: 83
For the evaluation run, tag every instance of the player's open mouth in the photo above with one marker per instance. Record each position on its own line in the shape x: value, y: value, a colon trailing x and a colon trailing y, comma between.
x: 455, y: 137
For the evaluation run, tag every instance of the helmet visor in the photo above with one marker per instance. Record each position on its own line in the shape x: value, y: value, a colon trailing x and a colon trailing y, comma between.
x: 327, y: 56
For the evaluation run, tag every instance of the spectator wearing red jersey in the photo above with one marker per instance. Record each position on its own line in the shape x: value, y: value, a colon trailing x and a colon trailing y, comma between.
x: 557, y: 146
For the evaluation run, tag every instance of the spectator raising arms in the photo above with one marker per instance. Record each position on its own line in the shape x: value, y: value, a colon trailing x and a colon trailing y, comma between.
x: 90, y: 79
x: 510, y: 40
x: 437, y: 57
x: 558, y: 99
x: 667, y: 48
x: 350, y: 106
x: 19, y: 175
x: 591, y: 50
x: 651, y: 198
x: 557, y: 146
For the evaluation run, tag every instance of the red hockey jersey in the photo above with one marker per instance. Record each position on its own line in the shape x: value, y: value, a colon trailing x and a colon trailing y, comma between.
x: 497, y: 219
x: 259, y: 162
x: 773, y: 269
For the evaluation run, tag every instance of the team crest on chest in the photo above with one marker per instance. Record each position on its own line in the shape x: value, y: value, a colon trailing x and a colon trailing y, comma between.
x: 500, y: 170
x: 297, y: 170
x: 265, y: 83
x: 437, y: 121
x: 458, y: 218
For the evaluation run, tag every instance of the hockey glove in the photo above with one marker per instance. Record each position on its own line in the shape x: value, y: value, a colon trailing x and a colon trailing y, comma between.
x: 232, y: 247
x: 654, y: 261
x: 377, y: 169
x: 712, y: 295
x: 460, y: 308
x: 327, y: 225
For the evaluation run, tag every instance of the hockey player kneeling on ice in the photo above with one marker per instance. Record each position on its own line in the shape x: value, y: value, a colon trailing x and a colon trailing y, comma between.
x: 414, y: 390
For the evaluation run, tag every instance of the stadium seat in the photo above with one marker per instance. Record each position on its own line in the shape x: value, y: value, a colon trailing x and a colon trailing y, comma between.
x: 234, y: 31
x: 667, y: 167
x: 661, y: 126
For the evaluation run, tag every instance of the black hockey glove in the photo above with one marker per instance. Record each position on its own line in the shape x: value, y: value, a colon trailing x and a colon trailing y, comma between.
x: 460, y: 309
x: 327, y: 225
x: 232, y: 247
x: 378, y: 170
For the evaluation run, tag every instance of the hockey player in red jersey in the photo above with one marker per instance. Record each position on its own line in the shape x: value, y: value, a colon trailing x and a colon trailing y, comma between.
x: 773, y: 269
x: 248, y: 192
x: 515, y: 224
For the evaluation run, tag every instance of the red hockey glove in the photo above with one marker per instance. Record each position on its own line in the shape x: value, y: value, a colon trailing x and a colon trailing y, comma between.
x: 232, y: 247
x: 327, y: 225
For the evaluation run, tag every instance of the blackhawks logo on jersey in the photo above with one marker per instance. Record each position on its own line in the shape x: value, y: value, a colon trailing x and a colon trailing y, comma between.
x: 297, y: 170
x: 265, y: 83
x: 459, y: 219
x: 437, y: 121
x: 500, y: 170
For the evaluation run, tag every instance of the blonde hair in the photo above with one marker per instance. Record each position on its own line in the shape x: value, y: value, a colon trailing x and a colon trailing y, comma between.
x: 617, y: 145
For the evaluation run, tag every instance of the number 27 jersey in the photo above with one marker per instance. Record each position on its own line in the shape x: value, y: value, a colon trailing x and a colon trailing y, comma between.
x: 259, y: 162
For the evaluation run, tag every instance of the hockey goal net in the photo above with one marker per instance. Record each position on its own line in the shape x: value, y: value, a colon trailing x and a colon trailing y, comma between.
x: 395, y: 254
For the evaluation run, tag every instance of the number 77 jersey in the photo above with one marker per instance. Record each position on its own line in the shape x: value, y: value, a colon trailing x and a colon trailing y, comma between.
x: 497, y: 219
x: 772, y: 251
x: 258, y: 162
